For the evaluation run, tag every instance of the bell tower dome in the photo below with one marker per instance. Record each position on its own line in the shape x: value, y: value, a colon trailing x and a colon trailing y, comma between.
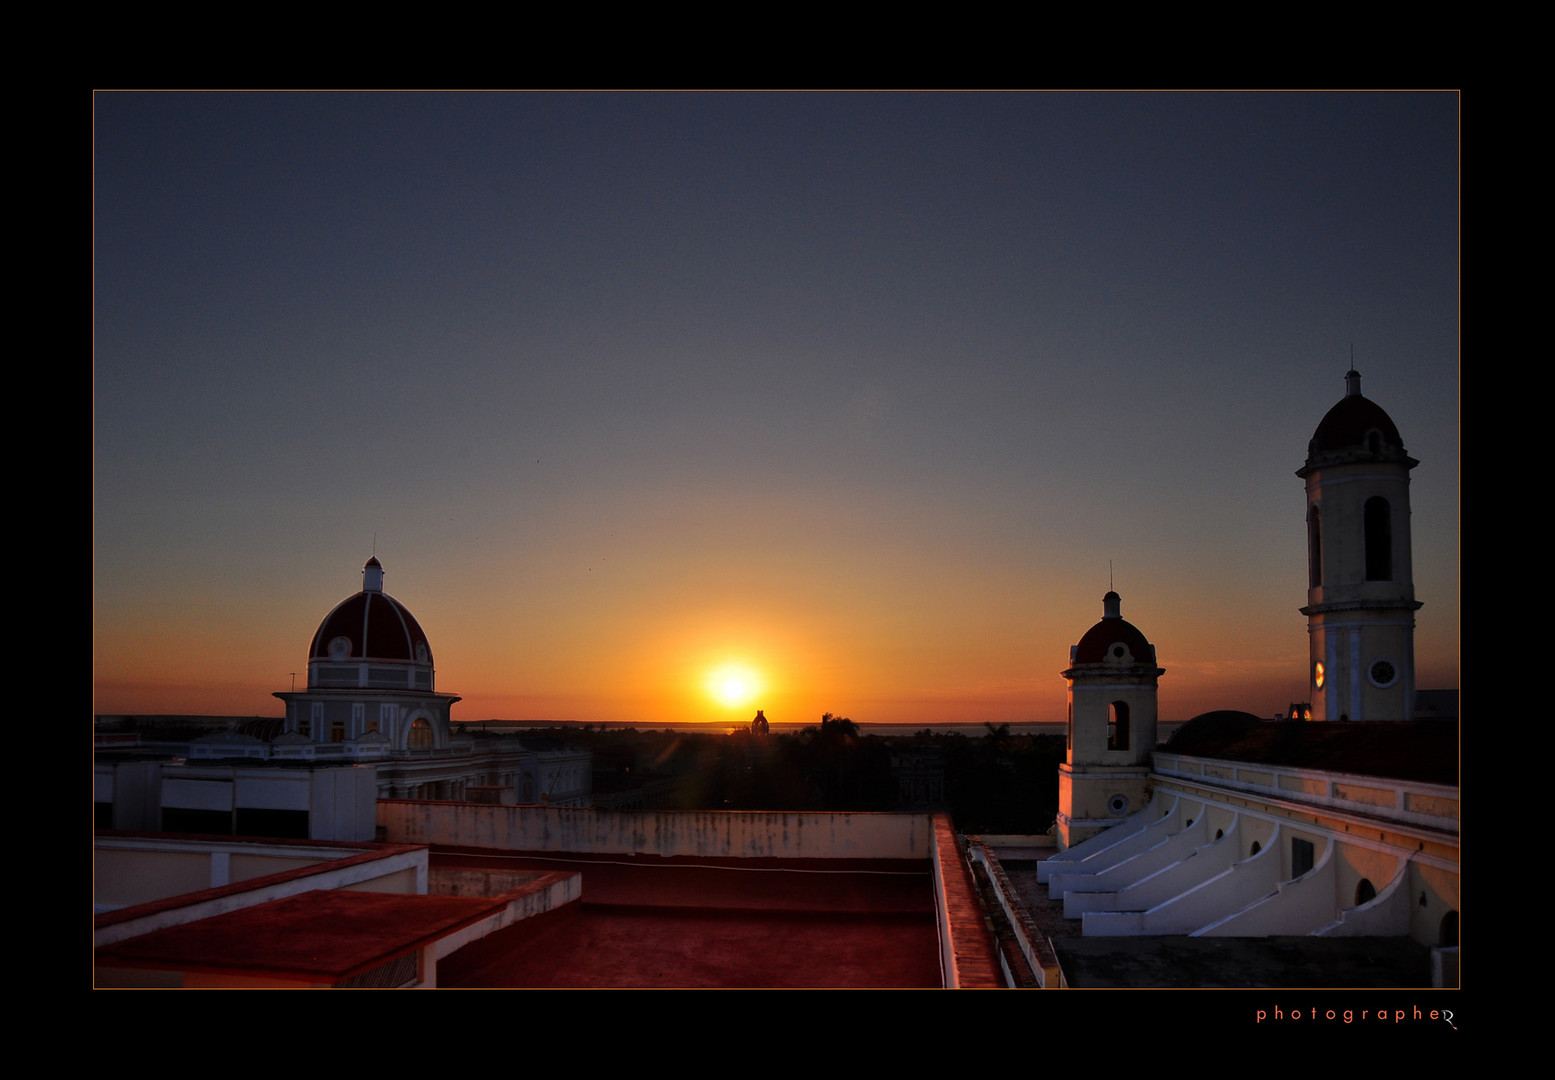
x: 1112, y: 678
x: 1360, y: 586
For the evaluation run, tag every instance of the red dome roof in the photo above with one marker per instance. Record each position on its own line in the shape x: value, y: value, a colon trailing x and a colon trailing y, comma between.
x: 1102, y: 641
x: 371, y: 625
x: 1099, y: 641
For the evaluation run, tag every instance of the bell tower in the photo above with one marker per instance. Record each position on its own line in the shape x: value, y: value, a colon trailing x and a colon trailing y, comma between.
x: 1360, y: 586
x: 1112, y: 679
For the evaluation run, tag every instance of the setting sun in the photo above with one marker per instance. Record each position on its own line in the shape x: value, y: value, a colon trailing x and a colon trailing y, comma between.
x: 733, y: 685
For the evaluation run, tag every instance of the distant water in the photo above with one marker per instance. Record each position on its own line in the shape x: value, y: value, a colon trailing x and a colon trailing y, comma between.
x: 971, y: 731
x: 777, y: 728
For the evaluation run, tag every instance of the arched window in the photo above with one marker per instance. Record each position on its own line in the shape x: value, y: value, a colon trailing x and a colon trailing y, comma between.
x: 1379, y: 540
x: 1314, y: 549
x: 420, y: 735
x: 1365, y: 892
x: 1117, y: 726
x: 1449, y: 932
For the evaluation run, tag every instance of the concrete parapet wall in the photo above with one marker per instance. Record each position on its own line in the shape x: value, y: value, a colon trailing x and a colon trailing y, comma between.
x: 967, y: 959
x: 378, y: 868
x: 1033, y: 944
x: 1407, y: 802
x: 547, y: 892
x: 668, y: 834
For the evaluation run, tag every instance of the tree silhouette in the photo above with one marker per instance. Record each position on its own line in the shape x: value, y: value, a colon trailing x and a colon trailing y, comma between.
x: 837, y: 727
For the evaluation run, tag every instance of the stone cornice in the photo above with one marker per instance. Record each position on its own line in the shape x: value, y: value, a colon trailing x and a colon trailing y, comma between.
x: 1356, y: 605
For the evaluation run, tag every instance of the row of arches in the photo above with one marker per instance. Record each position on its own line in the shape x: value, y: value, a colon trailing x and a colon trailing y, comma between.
x: 312, y: 725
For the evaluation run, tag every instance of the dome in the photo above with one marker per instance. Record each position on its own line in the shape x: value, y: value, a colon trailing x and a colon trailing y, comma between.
x: 1356, y: 428
x: 1213, y: 729
x: 371, y: 626
x: 1114, y: 640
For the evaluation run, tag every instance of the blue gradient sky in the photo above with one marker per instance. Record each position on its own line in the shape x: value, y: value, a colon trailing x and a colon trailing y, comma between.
x: 861, y: 391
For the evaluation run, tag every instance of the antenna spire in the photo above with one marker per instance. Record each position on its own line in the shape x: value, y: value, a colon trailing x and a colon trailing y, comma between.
x: 1109, y: 576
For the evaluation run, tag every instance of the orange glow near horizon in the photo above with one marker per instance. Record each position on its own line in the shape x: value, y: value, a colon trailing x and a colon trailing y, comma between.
x: 715, y: 663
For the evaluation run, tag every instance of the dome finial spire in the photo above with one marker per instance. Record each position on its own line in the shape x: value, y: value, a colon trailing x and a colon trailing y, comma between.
x: 1352, y: 381
x: 372, y: 576
x: 1111, y: 606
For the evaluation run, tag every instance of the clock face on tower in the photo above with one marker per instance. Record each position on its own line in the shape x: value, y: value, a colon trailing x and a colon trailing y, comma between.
x: 1317, y: 674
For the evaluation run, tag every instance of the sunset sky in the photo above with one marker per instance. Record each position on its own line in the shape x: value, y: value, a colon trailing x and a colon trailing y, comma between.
x: 857, y: 394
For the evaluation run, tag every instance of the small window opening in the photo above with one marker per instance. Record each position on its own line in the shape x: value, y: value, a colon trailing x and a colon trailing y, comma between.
x: 1379, y: 540
x: 1314, y: 548
x: 1301, y: 852
x: 1117, y: 726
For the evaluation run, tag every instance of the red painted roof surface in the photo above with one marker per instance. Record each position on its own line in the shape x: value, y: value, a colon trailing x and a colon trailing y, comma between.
x: 587, y: 946
x: 662, y: 924
x: 322, y: 936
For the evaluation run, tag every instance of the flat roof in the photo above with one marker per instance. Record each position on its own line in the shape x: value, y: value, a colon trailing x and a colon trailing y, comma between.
x: 322, y: 936
x: 684, y: 924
